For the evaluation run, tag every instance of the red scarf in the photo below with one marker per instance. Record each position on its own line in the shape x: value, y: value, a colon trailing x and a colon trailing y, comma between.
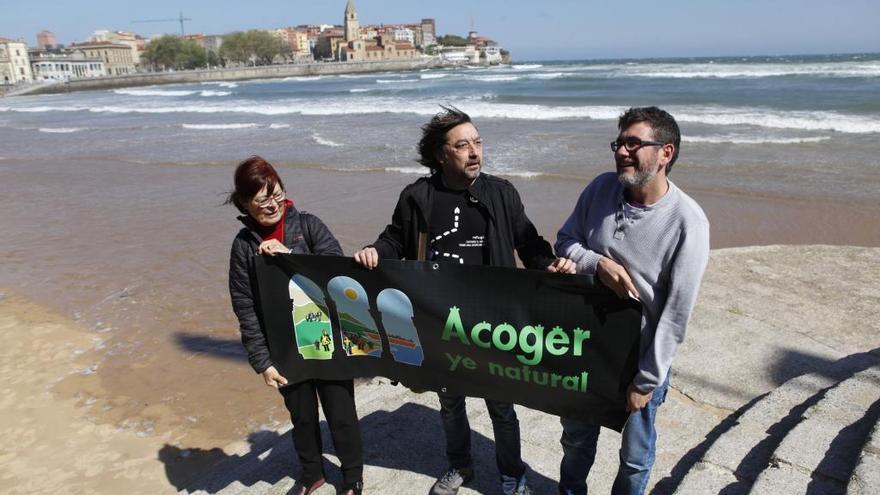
x: 276, y: 231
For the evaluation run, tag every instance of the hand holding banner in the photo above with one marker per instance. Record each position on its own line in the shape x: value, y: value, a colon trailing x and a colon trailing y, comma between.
x: 563, y: 344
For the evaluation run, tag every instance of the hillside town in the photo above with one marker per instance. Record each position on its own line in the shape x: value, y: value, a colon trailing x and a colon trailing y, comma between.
x: 116, y: 53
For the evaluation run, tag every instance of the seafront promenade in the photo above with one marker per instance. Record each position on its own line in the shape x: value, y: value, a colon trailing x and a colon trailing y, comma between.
x: 224, y: 74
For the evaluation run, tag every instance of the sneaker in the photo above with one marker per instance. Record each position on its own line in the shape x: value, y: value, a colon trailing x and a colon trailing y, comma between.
x: 300, y: 488
x: 451, y: 481
x: 522, y: 490
x: 510, y: 486
x: 353, y: 489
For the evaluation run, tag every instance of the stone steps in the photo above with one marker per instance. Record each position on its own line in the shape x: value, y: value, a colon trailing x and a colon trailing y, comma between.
x: 865, y: 479
x: 759, y: 449
x: 742, y: 453
x: 819, y: 454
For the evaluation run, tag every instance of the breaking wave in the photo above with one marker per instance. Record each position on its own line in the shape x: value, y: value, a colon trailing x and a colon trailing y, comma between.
x: 217, y: 127
x: 710, y: 115
x: 724, y: 139
x: 324, y: 141
x: 60, y: 130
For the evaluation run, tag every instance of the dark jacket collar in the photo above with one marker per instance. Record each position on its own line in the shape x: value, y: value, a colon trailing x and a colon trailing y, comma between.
x: 289, y: 213
x: 477, y: 192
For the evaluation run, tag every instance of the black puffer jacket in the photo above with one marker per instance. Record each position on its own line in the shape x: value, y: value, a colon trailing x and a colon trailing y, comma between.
x: 509, y: 228
x: 304, y: 234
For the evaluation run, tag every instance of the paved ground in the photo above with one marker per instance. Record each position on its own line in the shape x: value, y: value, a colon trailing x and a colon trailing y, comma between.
x: 765, y: 315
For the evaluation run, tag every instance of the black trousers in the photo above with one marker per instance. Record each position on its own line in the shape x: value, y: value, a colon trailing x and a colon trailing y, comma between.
x: 337, y: 400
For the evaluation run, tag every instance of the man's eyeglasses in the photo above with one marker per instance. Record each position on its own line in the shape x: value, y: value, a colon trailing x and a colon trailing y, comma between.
x: 632, y: 144
x: 267, y: 201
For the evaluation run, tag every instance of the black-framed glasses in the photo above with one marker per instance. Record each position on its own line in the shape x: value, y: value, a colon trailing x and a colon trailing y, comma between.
x: 632, y: 144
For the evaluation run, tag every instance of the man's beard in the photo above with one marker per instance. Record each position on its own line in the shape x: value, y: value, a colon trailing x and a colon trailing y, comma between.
x: 473, y: 174
x: 639, y: 179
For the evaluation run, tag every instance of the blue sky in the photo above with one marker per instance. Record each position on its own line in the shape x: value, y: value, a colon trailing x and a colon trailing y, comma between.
x: 532, y: 30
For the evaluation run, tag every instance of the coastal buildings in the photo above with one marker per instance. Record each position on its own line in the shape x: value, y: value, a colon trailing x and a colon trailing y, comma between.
x: 356, y: 48
x: 15, y: 66
x: 468, y: 54
x: 429, y: 32
x: 212, y: 43
x: 134, y: 42
x: 64, y: 65
x: 299, y: 45
x: 117, y: 58
x: 46, y: 40
x: 116, y: 53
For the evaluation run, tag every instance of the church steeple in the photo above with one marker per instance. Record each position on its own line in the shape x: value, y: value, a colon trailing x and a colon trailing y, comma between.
x: 352, y: 26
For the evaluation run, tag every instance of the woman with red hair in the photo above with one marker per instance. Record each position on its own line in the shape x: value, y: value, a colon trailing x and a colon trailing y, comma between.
x: 272, y: 225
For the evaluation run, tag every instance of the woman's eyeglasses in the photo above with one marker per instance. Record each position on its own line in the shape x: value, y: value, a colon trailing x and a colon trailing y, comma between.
x: 266, y: 202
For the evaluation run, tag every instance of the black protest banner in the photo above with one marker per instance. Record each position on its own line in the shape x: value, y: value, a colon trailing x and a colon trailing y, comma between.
x: 562, y: 344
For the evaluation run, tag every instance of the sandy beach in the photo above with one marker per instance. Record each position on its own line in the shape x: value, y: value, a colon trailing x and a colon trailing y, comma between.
x: 123, y: 353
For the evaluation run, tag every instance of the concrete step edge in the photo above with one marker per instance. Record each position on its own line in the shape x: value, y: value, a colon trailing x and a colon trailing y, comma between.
x: 765, y: 421
x: 825, y: 444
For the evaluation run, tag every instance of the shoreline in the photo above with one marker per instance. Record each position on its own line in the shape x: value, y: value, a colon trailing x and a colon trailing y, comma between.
x: 225, y: 74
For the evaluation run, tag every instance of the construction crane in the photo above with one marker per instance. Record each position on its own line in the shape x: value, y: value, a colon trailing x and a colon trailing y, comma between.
x: 180, y: 19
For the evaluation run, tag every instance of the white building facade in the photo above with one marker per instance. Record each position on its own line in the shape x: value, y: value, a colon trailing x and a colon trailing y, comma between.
x: 405, y: 35
x: 65, y: 66
x: 15, y: 65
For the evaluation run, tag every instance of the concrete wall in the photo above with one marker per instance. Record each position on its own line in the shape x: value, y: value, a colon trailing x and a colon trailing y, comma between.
x: 235, y: 74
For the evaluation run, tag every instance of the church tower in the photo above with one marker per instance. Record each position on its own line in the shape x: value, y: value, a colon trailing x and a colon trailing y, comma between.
x: 352, y: 27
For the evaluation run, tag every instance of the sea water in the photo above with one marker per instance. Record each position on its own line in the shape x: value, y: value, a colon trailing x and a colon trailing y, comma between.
x: 798, y: 125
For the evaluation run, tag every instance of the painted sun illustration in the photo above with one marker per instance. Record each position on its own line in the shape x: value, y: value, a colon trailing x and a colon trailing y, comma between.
x: 351, y: 294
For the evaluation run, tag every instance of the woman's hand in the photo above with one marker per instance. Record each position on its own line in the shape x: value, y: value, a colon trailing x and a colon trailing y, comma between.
x: 273, y: 378
x: 272, y: 247
x: 367, y: 257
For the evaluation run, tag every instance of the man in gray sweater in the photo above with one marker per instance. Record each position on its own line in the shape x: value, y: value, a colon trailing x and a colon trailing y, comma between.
x: 644, y: 238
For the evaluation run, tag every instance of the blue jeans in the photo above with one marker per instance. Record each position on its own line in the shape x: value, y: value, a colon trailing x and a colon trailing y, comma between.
x: 505, y: 427
x: 638, y: 445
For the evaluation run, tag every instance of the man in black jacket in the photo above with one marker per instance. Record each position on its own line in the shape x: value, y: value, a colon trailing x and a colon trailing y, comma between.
x: 460, y: 215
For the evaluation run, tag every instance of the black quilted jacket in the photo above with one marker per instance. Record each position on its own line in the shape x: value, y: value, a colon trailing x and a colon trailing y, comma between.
x: 304, y: 234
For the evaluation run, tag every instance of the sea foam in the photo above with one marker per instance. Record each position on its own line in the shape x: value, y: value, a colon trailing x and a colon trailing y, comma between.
x: 60, y: 130
x: 325, y: 142
x: 153, y: 92
x: 217, y: 127
x: 733, y: 139
x: 481, y: 107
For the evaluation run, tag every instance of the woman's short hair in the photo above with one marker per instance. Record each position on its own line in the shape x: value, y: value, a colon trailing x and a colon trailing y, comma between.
x: 251, y: 176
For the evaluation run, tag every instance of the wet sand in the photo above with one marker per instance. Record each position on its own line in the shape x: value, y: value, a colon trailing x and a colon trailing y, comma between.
x: 134, y: 258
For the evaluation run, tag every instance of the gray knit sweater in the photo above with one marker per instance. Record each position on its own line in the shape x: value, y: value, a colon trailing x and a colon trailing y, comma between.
x: 664, y: 248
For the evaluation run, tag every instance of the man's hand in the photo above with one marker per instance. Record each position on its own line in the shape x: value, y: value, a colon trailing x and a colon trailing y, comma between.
x: 636, y: 400
x: 367, y: 257
x: 616, y: 278
x: 272, y: 247
x: 562, y: 265
x: 273, y: 378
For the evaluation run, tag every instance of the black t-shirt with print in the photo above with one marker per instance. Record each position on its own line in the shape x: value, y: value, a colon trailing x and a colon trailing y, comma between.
x: 457, y: 229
